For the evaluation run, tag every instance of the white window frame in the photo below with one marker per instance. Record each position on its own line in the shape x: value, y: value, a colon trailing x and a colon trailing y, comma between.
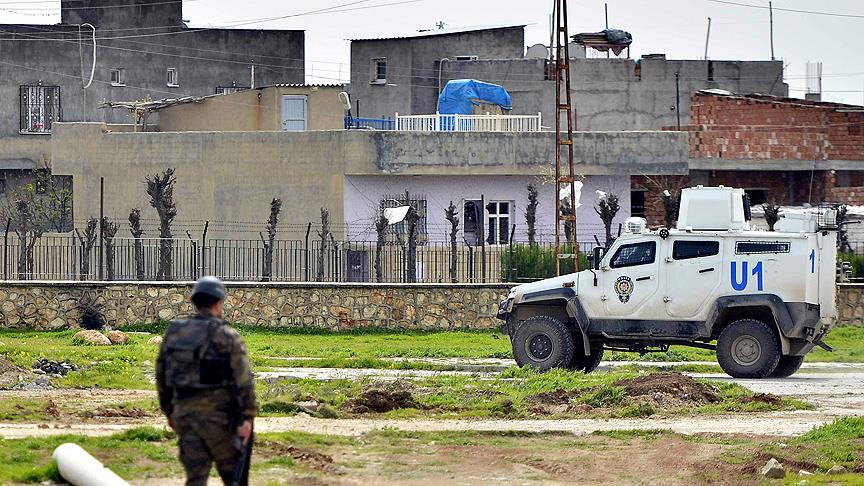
x: 226, y: 90
x: 375, y: 77
x: 35, y: 116
x: 172, y: 78
x: 120, y: 79
x: 497, y: 216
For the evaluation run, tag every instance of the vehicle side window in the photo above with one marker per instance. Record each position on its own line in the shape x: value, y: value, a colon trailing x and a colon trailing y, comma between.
x: 684, y: 250
x: 634, y: 254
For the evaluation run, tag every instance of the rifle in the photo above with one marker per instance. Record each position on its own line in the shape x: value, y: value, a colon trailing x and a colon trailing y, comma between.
x: 241, y: 466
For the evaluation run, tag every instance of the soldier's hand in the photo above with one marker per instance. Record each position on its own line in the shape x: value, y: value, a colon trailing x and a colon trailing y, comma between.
x: 244, y: 431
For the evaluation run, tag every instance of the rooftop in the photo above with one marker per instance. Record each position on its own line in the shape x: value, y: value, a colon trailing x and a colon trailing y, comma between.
x: 447, y: 31
x: 763, y: 98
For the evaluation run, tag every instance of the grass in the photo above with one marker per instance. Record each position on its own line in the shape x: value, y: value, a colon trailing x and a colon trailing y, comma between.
x: 131, y: 366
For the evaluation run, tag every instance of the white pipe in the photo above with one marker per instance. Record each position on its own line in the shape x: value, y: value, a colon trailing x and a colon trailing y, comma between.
x: 79, y: 468
x: 93, y: 65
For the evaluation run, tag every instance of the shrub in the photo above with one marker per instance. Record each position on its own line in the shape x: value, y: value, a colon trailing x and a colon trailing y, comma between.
x: 535, y: 262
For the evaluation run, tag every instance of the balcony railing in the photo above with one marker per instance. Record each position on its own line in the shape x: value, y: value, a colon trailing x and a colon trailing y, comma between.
x: 468, y: 123
x: 357, y: 123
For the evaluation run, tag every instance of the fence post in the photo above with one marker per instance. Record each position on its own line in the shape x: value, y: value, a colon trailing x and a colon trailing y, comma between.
x: 510, y: 268
x: 483, y: 238
x: 6, y: 250
x: 306, y: 254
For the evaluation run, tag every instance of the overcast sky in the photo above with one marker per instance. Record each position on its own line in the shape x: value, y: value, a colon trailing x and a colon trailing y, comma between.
x: 674, y: 27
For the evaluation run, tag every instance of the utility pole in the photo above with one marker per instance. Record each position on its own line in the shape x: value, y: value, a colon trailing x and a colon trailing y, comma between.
x: 678, y: 100
x: 771, y: 27
x: 564, y: 114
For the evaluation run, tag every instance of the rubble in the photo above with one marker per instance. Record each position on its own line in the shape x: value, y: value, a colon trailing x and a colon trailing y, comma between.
x: 773, y: 469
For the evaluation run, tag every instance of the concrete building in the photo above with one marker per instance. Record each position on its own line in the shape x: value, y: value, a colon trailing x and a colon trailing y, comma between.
x: 143, y: 51
x: 281, y: 107
x: 785, y: 151
x: 404, y: 75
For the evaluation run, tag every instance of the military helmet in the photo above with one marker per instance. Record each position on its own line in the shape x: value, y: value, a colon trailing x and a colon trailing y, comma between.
x: 211, y: 286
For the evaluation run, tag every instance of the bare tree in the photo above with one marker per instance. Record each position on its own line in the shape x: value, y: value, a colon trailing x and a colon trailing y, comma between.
x: 160, y: 188
x: 567, y: 210
x: 381, y: 225
x: 109, y: 231
x: 451, y: 215
x: 607, y: 208
x: 272, y: 221
x: 531, y: 213
x: 86, y: 243
x: 669, y: 190
x: 772, y: 214
x: 324, y: 234
x: 411, y: 220
x: 842, y: 234
x: 137, y: 232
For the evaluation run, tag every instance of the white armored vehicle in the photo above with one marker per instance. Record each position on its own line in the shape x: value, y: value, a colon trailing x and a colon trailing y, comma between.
x: 767, y: 298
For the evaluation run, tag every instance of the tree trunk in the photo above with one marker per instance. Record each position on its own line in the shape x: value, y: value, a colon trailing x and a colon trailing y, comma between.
x: 454, y: 230
x: 272, y: 221
x: 324, y: 234
x: 137, y: 232
x: 380, y: 229
x: 22, y: 256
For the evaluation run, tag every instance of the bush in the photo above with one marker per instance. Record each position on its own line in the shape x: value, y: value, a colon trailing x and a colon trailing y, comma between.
x: 856, y: 261
x: 535, y: 262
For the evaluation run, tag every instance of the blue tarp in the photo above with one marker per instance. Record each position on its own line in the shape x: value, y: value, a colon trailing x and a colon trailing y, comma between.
x: 461, y: 95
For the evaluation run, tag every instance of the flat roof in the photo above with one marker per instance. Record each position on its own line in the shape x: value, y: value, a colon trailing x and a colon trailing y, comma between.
x: 437, y: 32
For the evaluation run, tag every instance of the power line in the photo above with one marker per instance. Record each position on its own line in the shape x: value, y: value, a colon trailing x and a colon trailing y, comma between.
x: 809, y: 12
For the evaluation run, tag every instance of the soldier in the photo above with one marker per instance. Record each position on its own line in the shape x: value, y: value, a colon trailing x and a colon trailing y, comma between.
x: 206, y: 389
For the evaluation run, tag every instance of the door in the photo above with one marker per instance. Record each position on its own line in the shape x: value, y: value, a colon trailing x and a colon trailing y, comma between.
x: 294, y: 113
x: 693, y: 271
x: 630, y: 281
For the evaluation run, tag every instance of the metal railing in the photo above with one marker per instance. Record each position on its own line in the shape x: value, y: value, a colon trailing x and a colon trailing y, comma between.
x: 63, y: 258
x: 357, y: 123
x: 468, y: 123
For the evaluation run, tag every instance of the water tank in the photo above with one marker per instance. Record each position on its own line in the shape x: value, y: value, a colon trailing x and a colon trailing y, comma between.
x: 712, y: 208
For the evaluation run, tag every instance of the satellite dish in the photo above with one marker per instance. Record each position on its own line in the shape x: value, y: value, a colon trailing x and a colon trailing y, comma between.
x: 345, y: 100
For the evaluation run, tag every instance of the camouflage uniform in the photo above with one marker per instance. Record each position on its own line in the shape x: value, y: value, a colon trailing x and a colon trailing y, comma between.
x: 208, y: 401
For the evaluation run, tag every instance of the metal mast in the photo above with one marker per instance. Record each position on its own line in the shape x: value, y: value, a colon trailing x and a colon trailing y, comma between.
x: 564, y: 115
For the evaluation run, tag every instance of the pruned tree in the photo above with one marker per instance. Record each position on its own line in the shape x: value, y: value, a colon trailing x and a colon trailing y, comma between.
x: 411, y: 220
x: 452, y: 216
x: 772, y: 214
x: 381, y: 225
x: 669, y: 190
x: 137, y: 232
x: 324, y: 234
x: 86, y: 244
x: 567, y: 210
x: 109, y: 231
x: 531, y: 213
x: 43, y: 203
x: 607, y: 208
x: 842, y: 235
x: 272, y: 221
x: 160, y: 188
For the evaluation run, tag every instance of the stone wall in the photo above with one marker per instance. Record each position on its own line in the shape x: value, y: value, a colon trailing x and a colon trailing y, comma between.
x: 56, y: 305
x: 850, y: 304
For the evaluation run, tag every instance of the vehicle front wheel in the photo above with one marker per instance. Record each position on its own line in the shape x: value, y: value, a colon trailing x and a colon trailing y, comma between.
x: 787, y: 366
x: 748, y: 348
x: 580, y: 362
x: 543, y: 343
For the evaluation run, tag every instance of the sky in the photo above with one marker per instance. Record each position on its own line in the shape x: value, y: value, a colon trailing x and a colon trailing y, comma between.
x: 674, y: 27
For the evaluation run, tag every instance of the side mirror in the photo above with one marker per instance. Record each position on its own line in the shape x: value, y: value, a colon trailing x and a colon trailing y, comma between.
x: 596, y: 257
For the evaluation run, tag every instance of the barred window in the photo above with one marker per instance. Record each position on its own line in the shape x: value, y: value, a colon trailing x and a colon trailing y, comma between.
x: 40, y: 108
x: 399, y: 231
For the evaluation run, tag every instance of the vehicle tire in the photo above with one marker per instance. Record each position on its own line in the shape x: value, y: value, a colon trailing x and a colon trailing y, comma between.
x: 787, y: 366
x: 543, y: 343
x: 748, y: 348
x: 580, y: 362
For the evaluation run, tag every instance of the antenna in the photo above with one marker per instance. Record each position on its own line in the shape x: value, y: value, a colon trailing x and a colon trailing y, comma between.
x: 707, y: 37
x: 771, y: 27
x: 440, y: 24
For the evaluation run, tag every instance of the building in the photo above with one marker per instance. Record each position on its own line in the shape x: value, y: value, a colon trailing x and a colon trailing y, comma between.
x: 405, y: 75
x: 143, y: 50
x: 783, y: 151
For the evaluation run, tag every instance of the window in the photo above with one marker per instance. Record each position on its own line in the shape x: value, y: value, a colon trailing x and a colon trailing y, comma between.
x: 40, y: 108
x: 761, y: 247
x: 400, y: 229
x: 685, y: 250
x: 473, y: 222
x: 637, y: 203
x: 499, y: 222
x: 172, y: 79
x: 379, y: 70
x: 230, y: 89
x: 634, y: 254
x: 118, y: 77
x: 466, y: 58
x: 294, y: 113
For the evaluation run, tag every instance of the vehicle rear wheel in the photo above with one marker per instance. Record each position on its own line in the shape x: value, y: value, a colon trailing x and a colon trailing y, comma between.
x: 543, y: 343
x: 748, y: 348
x: 787, y: 366
x: 580, y: 362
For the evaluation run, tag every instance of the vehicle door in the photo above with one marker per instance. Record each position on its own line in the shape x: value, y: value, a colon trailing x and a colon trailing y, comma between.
x: 630, y: 280
x: 692, y: 273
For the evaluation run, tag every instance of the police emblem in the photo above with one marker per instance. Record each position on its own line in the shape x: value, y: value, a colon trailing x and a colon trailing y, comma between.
x: 623, y: 287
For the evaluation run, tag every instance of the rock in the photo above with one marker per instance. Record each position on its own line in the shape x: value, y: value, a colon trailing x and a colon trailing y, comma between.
x: 118, y: 337
x: 155, y: 340
x: 804, y: 473
x: 838, y: 469
x: 773, y: 469
x: 95, y: 338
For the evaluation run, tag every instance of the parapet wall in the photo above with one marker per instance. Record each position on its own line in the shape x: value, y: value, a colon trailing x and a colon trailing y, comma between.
x: 57, y: 305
